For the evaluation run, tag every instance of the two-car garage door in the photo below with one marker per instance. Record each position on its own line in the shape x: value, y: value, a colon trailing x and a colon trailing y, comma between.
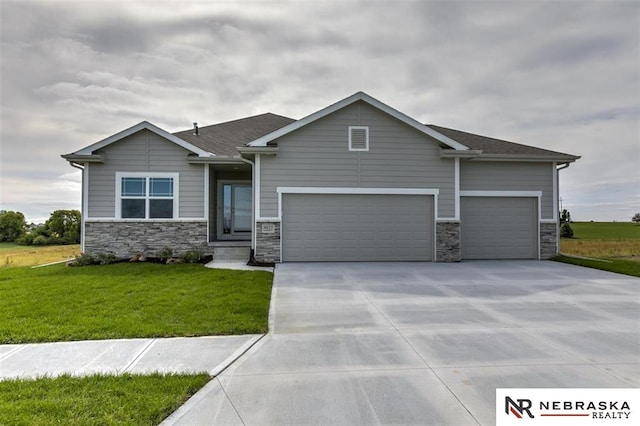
x: 357, y: 227
x: 499, y: 227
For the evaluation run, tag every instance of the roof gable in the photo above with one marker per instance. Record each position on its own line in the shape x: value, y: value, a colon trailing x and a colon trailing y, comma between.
x: 89, y: 150
x: 359, y: 96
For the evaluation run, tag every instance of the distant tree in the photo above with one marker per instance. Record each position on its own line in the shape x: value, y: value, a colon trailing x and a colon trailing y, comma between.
x: 566, y: 231
x: 12, y: 225
x: 565, y: 216
x: 63, y: 227
x: 636, y: 218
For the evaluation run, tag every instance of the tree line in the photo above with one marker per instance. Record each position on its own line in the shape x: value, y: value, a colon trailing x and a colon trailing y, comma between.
x: 62, y: 227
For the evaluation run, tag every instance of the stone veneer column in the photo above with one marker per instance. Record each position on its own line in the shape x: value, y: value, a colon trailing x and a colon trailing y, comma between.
x: 126, y: 239
x: 267, y: 242
x: 548, y: 240
x: 448, y: 242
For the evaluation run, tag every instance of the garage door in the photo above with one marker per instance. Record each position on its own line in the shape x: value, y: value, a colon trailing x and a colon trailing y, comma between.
x: 357, y: 227
x: 499, y: 228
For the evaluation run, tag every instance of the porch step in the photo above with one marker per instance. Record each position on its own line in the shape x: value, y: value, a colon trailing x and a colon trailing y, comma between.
x: 226, y: 254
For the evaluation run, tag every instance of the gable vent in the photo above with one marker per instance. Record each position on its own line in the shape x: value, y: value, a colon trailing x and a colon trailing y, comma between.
x: 358, y: 138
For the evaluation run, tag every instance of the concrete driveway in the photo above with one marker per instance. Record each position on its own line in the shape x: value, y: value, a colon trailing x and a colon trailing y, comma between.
x: 425, y: 343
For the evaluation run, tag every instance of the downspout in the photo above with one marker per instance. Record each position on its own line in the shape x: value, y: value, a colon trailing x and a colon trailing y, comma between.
x: 82, y: 212
x: 253, y: 207
x: 564, y: 166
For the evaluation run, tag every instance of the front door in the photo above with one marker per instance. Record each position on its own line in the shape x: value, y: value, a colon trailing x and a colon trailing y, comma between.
x: 235, y: 208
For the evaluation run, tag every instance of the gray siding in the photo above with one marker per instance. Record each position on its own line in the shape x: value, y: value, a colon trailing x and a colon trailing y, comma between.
x: 503, y: 176
x: 318, y: 155
x: 144, y: 151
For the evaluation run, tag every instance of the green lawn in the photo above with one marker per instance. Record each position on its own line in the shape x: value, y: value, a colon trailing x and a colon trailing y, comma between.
x: 606, y: 230
x: 621, y: 266
x: 610, y: 246
x: 10, y: 246
x: 59, y: 303
x: 95, y: 400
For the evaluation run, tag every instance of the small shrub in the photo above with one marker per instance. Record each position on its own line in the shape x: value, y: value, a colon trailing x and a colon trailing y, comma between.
x: 192, y: 256
x: 84, y: 260
x: 165, y: 254
x: 566, y: 231
x: 106, y: 258
x: 40, y: 240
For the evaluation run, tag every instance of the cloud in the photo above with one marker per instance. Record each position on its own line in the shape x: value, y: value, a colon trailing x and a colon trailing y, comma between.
x: 559, y: 75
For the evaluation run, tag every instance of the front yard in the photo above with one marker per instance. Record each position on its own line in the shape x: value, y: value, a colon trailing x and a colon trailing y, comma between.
x: 96, y: 400
x: 60, y: 303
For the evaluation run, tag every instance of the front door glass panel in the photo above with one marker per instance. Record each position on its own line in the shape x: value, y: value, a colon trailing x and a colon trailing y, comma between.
x: 236, y: 209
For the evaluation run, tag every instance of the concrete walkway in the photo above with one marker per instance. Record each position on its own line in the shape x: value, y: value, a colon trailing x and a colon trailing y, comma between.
x: 419, y: 343
x: 174, y: 355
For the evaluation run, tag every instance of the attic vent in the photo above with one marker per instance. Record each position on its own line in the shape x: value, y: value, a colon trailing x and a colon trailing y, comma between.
x: 358, y: 138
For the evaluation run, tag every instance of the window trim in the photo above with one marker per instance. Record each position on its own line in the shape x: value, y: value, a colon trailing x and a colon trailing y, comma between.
x: 147, y: 176
x: 366, y: 129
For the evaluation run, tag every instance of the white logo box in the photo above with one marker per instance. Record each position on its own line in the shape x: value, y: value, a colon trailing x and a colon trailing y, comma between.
x: 567, y: 407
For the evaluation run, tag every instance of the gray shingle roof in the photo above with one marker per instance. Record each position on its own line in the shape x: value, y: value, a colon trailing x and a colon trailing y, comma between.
x: 495, y: 146
x: 222, y: 139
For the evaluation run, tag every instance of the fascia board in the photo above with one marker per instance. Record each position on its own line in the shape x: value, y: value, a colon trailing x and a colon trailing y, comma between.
x: 471, y: 153
x: 257, y: 150
x: 75, y: 158
x: 214, y: 160
x: 515, y: 157
x: 136, y: 128
x: 359, y: 96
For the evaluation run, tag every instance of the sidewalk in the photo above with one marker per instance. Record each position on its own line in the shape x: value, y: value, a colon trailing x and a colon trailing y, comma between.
x: 210, y: 354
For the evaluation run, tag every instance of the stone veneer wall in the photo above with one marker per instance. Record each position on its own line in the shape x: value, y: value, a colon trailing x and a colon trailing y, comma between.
x: 448, y: 242
x: 125, y: 239
x: 267, y: 243
x: 548, y: 240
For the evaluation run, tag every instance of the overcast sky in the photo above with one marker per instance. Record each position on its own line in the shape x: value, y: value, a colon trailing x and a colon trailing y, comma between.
x: 562, y: 75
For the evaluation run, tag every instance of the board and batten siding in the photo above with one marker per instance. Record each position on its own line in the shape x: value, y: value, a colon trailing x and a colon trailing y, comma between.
x: 507, y: 176
x: 317, y: 155
x: 142, y: 152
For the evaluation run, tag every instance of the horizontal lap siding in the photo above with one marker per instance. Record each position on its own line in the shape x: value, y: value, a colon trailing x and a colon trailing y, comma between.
x: 144, y: 152
x: 503, y: 176
x: 318, y: 155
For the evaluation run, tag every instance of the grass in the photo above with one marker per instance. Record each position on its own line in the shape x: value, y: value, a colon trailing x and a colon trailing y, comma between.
x: 96, y: 400
x: 60, y: 303
x: 612, y: 246
x: 12, y: 255
x: 621, y: 266
x: 606, y: 230
x: 603, y: 240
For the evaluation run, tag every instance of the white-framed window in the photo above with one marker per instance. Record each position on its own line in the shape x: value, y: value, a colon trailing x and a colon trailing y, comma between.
x: 358, y: 138
x: 146, y: 195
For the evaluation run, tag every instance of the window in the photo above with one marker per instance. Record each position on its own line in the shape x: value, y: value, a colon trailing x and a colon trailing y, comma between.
x: 358, y: 138
x: 150, y: 196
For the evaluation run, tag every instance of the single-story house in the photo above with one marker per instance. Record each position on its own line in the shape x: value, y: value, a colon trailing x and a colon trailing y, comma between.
x: 355, y: 181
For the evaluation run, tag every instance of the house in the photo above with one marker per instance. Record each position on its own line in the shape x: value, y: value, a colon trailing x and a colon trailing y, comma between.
x: 355, y: 181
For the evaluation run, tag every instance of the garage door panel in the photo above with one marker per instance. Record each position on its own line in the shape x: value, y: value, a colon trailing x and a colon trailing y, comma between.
x: 499, y: 227
x: 357, y: 227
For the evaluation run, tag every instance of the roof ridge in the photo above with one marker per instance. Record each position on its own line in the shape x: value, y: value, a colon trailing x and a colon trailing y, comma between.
x: 237, y: 120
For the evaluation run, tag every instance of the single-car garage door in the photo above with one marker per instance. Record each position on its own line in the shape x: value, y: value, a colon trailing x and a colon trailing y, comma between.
x: 357, y: 227
x: 499, y: 227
